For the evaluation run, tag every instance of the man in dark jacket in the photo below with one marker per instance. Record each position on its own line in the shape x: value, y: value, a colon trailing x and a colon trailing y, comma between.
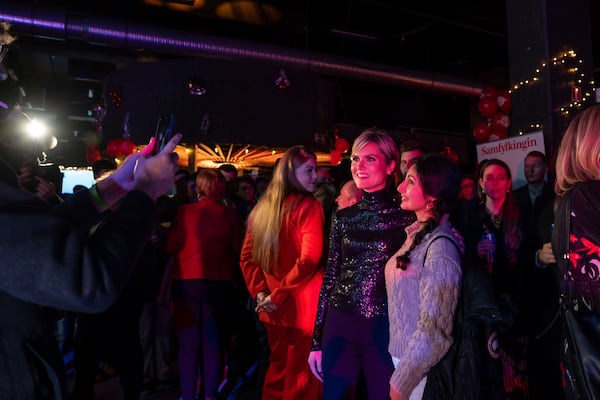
x: 50, y: 261
x: 536, y: 200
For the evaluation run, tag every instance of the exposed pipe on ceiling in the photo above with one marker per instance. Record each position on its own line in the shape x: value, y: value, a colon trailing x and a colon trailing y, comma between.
x: 60, y: 25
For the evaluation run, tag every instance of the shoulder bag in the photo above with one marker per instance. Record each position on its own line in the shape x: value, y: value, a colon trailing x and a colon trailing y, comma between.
x: 580, y: 353
x: 468, y: 371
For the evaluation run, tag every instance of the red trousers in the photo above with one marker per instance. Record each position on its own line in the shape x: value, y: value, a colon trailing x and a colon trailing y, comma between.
x: 289, y: 377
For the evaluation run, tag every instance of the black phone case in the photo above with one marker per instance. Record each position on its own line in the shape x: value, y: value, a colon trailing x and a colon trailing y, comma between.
x: 164, y: 131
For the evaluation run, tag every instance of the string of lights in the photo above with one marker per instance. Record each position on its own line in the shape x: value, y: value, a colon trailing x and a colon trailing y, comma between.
x: 581, y: 90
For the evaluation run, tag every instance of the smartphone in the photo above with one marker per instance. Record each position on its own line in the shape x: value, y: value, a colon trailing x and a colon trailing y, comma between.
x: 164, y: 131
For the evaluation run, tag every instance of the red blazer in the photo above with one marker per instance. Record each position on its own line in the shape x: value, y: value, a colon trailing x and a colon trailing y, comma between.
x: 297, y: 282
x: 206, y: 237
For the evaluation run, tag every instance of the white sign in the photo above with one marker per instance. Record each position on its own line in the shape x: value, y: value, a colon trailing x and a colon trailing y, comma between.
x: 513, y: 151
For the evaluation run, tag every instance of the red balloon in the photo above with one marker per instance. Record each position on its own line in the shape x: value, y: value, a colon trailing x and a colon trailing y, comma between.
x: 127, y: 147
x: 501, y: 119
x: 498, y: 132
x: 488, y: 106
x: 113, y: 147
x: 335, y: 157
x: 489, y: 91
x: 481, y: 131
x: 504, y: 101
x: 342, y: 145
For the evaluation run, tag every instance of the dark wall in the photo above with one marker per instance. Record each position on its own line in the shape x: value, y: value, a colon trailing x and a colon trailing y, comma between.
x: 242, y: 103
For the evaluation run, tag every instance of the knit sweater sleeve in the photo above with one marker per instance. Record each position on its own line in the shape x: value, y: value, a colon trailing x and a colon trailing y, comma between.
x: 435, y: 301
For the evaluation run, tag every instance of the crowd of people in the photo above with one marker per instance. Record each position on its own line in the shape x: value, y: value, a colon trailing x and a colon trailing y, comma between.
x: 318, y: 289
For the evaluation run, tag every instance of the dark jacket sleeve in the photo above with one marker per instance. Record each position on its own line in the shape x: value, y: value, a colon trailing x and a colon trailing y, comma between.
x: 49, y: 257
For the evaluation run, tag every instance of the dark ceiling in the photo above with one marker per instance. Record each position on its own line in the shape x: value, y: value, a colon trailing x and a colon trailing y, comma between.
x: 460, y: 43
x: 464, y: 38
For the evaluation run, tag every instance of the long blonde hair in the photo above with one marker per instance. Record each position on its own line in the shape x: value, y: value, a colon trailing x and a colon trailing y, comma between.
x: 269, y: 214
x: 578, y: 157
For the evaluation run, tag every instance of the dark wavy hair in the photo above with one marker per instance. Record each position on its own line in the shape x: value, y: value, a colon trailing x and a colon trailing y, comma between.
x: 439, y: 178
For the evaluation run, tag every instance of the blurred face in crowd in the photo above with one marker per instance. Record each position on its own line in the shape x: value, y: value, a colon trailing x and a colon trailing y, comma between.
x: 495, y: 182
x: 535, y: 169
x: 467, y: 189
x: 349, y: 195
x: 323, y: 175
x: 412, y: 196
x: 306, y: 174
x: 407, y: 158
x: 370, y: 168
x: 245, y: 191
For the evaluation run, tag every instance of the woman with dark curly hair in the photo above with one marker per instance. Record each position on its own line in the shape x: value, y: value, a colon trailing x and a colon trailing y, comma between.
x: 423, y: 277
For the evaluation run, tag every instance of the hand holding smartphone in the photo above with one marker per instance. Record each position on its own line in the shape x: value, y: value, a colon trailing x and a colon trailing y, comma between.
x: 164, y: 132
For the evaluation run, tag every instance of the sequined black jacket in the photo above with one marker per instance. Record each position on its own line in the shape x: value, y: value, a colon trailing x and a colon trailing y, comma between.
x: 362, y: 239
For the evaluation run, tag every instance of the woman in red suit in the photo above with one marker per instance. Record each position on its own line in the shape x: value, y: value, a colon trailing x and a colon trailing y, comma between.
x: 280, y: 263
x: 206, y: 239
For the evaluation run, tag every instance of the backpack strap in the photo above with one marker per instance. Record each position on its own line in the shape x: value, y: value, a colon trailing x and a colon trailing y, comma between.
x: 442, y: 237
x: 560, y: 244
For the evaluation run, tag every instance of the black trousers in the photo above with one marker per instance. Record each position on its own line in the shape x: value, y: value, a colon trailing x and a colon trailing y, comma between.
x: 355, y: 346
